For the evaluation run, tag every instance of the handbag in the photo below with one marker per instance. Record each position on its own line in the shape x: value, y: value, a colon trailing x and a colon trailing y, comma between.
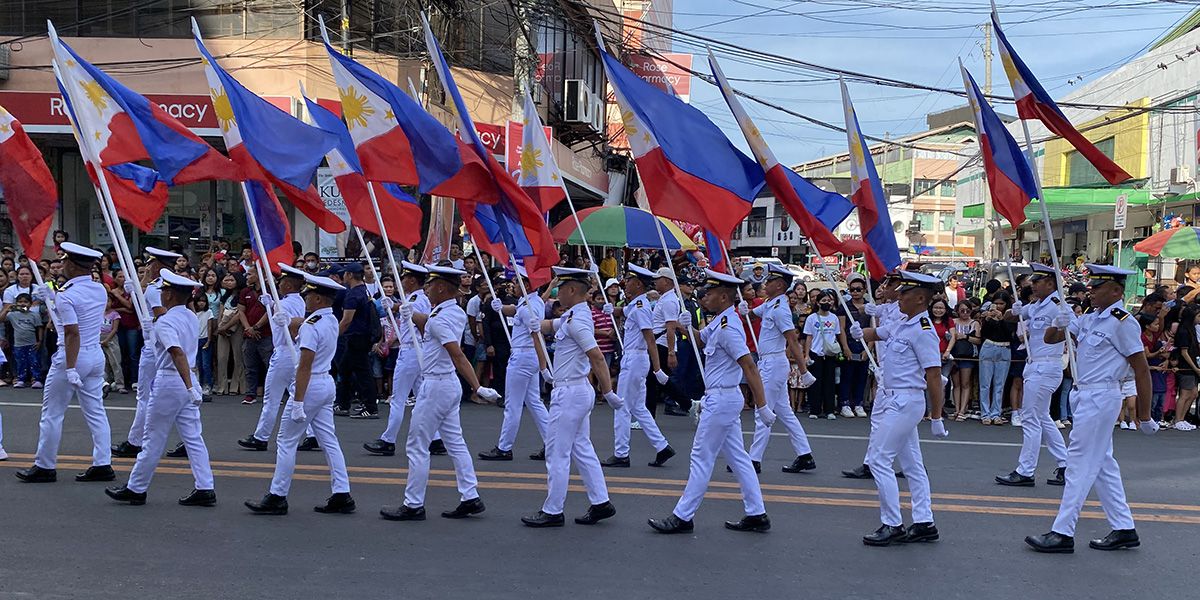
x: 963, y: 349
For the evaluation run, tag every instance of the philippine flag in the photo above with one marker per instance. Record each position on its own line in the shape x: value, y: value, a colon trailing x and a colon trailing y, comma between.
x: 27, y: 185
x: 1009, y: 176
x: 866, y: 192
x: 400, y: 212
x: 540, y: 177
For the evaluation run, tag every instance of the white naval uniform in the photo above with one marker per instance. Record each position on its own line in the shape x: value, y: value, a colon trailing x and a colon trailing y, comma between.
x: 776, y: 317
x: 1105, y: 339
x: 1043, y: 374
x: 909, y: 348
x: 80, y: 302
x: 172, y: 404
x: 437, y: 408
x: 571, y: 404
x: 318, y: 333
x: 631, y: 385
x: 888, y: 313
x: 522, y: 386
x: 147, y: 365
x: 281, y: 369
x: 720, y: 428
x: 407, y: 374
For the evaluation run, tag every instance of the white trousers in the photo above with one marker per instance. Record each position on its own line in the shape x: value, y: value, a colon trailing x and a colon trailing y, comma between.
x: 1090, y: 461
x: 281, y: 376
x: 318, y: 413
x: 570, y: 440
x: 895, y: 437
x: 171, y: 406
x: 57, y: 394
x: 522, y: 389
x: 774, y: 369
x: 437, y: 411
x: 1037, y: 426
x: 405, y: 379
x: 631, y: 387
x: 720, y: 433
x: 147, y: 369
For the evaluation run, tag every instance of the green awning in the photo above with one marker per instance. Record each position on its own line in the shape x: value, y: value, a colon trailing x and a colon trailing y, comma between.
x: 1070, y: 203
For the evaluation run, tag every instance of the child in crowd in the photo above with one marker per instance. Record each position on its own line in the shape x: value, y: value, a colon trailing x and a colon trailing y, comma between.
x: 114, y: 376
x: 27, y: 339
x: 207, y: 326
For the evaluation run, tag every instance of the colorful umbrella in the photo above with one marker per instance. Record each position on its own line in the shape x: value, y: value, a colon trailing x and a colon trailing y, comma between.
x: 1181, y: 242
x: 621, y: 226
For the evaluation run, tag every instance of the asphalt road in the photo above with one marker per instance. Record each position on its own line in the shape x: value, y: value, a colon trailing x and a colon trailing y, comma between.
x: 67, y: 540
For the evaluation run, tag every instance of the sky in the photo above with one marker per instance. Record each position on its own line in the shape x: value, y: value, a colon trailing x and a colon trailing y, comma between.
x: 1064, y: 42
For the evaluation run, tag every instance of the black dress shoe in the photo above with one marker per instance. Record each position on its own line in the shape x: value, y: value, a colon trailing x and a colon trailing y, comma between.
x: 124, y: 494
x: 757, y: 523
x: 269, y: 505
x: 663, y: 456
x: 616, y: 461
x: 884, y: 536
x: 437, y: 448
x: 380, y: 448
x: 596, y: 513
x: 403, y: 513
x: 199, y: 498
x: 1052, y: 543
x: 672, y: 524
x: 339, y: 503
x: 179, y: 451
x: 97, y: 473
x: 496, y: 454
x: 1117, y: 539
x: 920, y: 532
x: 859, y: 472
x: 675, y: 412
x: 309, y: 445
x: 36, y: 474
x: 539, y: 455
x: 1015, y: 479
x: 465, y: 509
x: 252, y: 443
x: 1059, y: 478
x: 757, y: 467
x: 804, y: 462
x: 542, y: 519
x: 126, y: 450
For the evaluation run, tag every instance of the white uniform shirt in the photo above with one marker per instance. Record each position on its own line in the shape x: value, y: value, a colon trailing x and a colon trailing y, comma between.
x: 638, y: 318
x: 911, y: 347
x: 1104, y: 339
x: 1039, y: 317
x: 665, y: 310
x: 420, y: 304
x: 82, y: 302
x: 154, y: 295
x: 776, y: 318
x: 176, y: 328
x: 527, y: 308
x: 446, y: 324
x: 319, y: 333
x: 574, y: 335
x: 292, y: 305
x: 724, y: 343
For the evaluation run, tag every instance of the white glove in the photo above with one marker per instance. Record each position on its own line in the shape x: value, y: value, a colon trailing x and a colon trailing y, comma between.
x: 939, y: 428
x: 497, y: 305
x: 387, y: 303
x: 856, y: 331
x: 1016, y: 306
x: 614, y: 400
x: 872, y: 309
x: 743, y: 308
x: 608, y: 308
x: 280, y: 320
x: 406, y: 312
x: 148, y: 333
x: 1061, y: 320
x: 197, y: 395
x: 764, y: 415
x: 131, y: 287
x: 685, y: 319
x: 73, y: 378
x: 267, y: 301
x: 535, y: 325
x: 661, y: 377
x: 488, y: 394
x: 42, y: 292
x: 548, y: 376
x: 807, y: 379
x: 296, y: 411
x: 1148, y: 427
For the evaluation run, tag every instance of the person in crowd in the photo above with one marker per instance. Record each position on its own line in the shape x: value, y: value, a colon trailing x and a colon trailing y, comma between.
x: 496, y: 333
x: 940, y: 314
x: 26, y: 340
x: 853, y: 382
x: 257, y: 345
x: 1187, y: 354
x: 824, y: 343
x: 995, y: 354
x: 205, y: 327
x: 1157, y: 350
x: 129, y: 331
x: 114, y: 375
x: 229, y: 373
x: 475, y: 294
x: 358, y: 312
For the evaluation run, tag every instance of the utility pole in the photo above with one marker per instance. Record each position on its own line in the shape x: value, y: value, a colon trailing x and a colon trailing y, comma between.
x: 987, y: 58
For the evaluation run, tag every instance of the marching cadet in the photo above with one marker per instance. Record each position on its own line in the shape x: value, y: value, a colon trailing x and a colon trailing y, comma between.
x: 438, y: 400
x: 1108, y: 350
x: 147, y: 363
x: 407, y: 375
x: 575, y: 355
x: 1043, y: 374
x: 777, y: 342
x: 281, y: 369
x: 176, y: 401
x: 522, y: 386
x: 883, y: 313
x: 727, y: 361
x: 77, y: 368
x: 311, y: 405
x: 911, y: 364
x: 639, y: 359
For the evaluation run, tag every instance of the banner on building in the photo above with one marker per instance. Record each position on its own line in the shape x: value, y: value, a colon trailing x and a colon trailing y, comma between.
x: 441, y: 230
x: 331, y: 245
x: 670, y: 73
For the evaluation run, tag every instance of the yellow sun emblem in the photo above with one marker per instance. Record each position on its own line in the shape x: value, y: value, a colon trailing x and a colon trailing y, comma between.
x: 223, y: 109
x: 530, y: 160
x: 4, y: 128
x: 95, y: 94
x: 355, y: 108
x: 630, y: 124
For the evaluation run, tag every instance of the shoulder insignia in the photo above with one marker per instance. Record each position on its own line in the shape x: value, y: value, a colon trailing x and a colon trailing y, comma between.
x: 570, y: 315
x: 1055, y: 299
x: 638, y: 304
x: 724, y: 321
x: 66, y: 287
x: 1120, y: 314
x: 1090, y: 310
x: 434, y: 313
x: 313, y: 319
x: 925, y: 324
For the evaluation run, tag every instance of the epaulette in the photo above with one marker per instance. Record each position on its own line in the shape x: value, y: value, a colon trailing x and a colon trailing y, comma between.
x: 1055, y: 299
x: 434, y: 313
x: 1119, y: 314
x: 724, y: 322
x: 570, y: 315
x: 66, y: 287
x: 1090, y: 310
x: 925, y: 324
x: 638, y: 304
x: 313, y: 319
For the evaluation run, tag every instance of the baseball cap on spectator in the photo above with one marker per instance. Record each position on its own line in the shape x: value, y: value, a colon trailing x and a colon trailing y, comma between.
x: 1077, y: 287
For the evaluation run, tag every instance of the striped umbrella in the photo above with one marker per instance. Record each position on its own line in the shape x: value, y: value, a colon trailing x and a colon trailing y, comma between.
x: 621, y: 227
x: 1181, y: 242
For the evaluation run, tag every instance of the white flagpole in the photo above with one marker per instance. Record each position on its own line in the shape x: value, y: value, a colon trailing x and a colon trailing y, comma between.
x: 588, y: 249
x: 37, y: 277
x: 729, y: 269
x: 387, y: 245
x: 538, y: 338
x: 400, y: 290
x: 488, y: 279
x: 262, y: 263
